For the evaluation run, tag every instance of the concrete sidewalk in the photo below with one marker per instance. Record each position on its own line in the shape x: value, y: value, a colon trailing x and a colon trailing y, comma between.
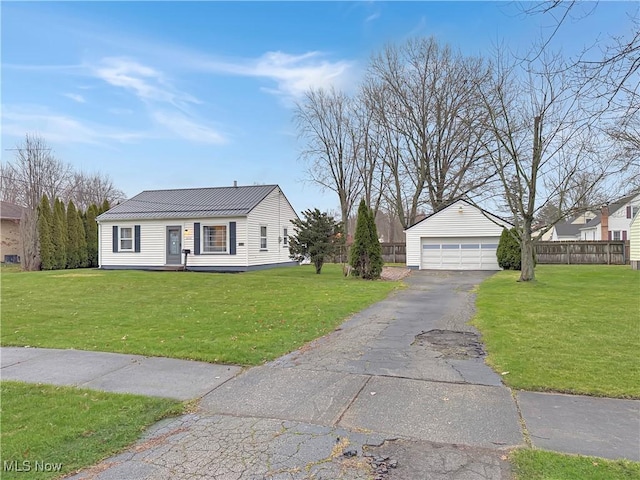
x: 440, y: 412
x: 113, y: 372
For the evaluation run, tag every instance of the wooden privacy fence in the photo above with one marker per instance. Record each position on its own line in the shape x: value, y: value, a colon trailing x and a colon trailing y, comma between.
x: 395, y: 252
x: 583, y: 252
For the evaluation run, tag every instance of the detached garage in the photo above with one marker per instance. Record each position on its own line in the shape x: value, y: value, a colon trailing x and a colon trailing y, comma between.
x: 458, y: 237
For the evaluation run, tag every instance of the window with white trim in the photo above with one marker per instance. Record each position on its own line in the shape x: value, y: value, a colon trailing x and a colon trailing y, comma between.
x: 285, y: 237
x: 616, y: 235
x: 126, y: 238
x: 263, y: 237
x: 214, y: 239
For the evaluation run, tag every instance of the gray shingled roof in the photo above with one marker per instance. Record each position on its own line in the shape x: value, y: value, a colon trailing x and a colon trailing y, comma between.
x: 190, y: 203
x: 568, y: 229
x: 10, y: 211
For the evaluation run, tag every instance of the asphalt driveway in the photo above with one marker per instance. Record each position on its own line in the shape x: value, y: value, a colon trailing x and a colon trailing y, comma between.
x: 383, y: 395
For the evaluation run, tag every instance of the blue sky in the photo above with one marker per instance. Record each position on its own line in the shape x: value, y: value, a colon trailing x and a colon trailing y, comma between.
x: 188, y: 94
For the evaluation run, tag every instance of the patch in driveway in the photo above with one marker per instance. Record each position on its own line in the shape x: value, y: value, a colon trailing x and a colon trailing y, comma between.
x: 451, y: 344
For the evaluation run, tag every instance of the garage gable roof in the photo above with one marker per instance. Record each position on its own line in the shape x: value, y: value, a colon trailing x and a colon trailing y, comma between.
x: 459, y: 203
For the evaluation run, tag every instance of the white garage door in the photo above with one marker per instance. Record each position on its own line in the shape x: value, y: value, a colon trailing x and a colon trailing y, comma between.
x: 459, y: 253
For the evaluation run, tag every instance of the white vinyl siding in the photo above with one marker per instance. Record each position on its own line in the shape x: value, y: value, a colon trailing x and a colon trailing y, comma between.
x: 153, y: 243
x: 459, y: 224
x: 634, y: 239
x: 276, y: 214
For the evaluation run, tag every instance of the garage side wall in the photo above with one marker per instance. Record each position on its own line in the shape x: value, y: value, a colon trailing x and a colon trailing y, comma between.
x: 458, y: 220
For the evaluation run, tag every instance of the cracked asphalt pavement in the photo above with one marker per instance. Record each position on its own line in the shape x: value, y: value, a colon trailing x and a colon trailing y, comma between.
x: 371, y: 400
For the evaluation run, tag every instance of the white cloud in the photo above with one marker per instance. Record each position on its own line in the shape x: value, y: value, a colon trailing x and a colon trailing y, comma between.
x: 59, y: 128
x: 293, y: 74
x: 75, y: 97
x: 186, y: 128
x: 372, y: 17
x: 145, y: 82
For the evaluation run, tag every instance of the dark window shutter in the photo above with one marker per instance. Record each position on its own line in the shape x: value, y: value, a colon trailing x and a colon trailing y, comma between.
x: 629, y: 211
x: 610, y: 233
x: 232, y: 238
x: 624, y: 235
x: 136, y: 238
x: 115, y: 238
x: 196, y: 238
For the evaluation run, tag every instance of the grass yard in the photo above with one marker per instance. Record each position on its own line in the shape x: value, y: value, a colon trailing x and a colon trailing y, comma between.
x: 64, y: 429
x: 543, y: 465
x: 244, y: 319
x: 575, y: 330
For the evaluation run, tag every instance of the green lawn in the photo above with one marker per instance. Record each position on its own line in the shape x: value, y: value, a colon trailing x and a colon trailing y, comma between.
x: 70, y: 427
x: 542, y: 465
x: 244, y: 318
x: 575, y: 330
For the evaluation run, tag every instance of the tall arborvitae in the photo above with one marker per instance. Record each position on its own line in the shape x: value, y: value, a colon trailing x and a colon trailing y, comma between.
x: 81, y: 238
x: 73, y: 258
x: 104, y: 207
x: 375, y: 249
x: 358, y: 253
x: 365, y: 255
x: 45, y: 221
x: 91, y: 233
x: 59, y: 235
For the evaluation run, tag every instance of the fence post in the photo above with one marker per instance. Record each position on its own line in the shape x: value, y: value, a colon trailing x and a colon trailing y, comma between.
x: 568, y: 253
x: 608, y: 253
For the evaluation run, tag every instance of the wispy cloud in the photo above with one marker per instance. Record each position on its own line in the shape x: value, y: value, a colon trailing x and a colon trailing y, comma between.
x: 293, y: 74
x: 372, y: 17
x: 61, y: 128
x: 145, y: 82
x: 75, y: 97
x: 188, y: 128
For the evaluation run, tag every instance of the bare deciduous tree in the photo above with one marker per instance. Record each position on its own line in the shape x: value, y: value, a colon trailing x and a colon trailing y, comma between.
x: 424, y: 99
x: 545, y: 146
x: 327, y: 122
x: 85, y: 189
x: 29, y: 256
x: 36, y: 172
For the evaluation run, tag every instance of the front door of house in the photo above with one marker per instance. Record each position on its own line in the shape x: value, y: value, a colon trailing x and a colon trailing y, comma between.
x: 174, y: 245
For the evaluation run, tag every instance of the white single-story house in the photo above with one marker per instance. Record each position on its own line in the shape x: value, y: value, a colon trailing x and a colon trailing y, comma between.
x: 458, y: 237
x: 634, y: 242
x: 228, y: 229
x: 614, y: 220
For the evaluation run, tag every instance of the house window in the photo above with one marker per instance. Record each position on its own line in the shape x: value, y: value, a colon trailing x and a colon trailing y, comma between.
x: 263, y: 237
x: 285, y: 237
x: 126, y: 238
x: 616, y: 234
x: 214, y: 238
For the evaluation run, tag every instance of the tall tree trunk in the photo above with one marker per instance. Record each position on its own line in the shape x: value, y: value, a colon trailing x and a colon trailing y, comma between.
x: 527, y: 264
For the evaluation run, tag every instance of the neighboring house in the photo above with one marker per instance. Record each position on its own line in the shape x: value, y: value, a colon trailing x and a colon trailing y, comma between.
x: 10, y: 240
x: 570, y: 230
x: 634, y: 242
x: 458, y: 237
x: 614, y: 220
x: 224, y: 228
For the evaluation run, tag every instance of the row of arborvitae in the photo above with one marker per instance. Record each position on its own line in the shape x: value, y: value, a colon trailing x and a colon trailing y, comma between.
x: 67, y: 237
